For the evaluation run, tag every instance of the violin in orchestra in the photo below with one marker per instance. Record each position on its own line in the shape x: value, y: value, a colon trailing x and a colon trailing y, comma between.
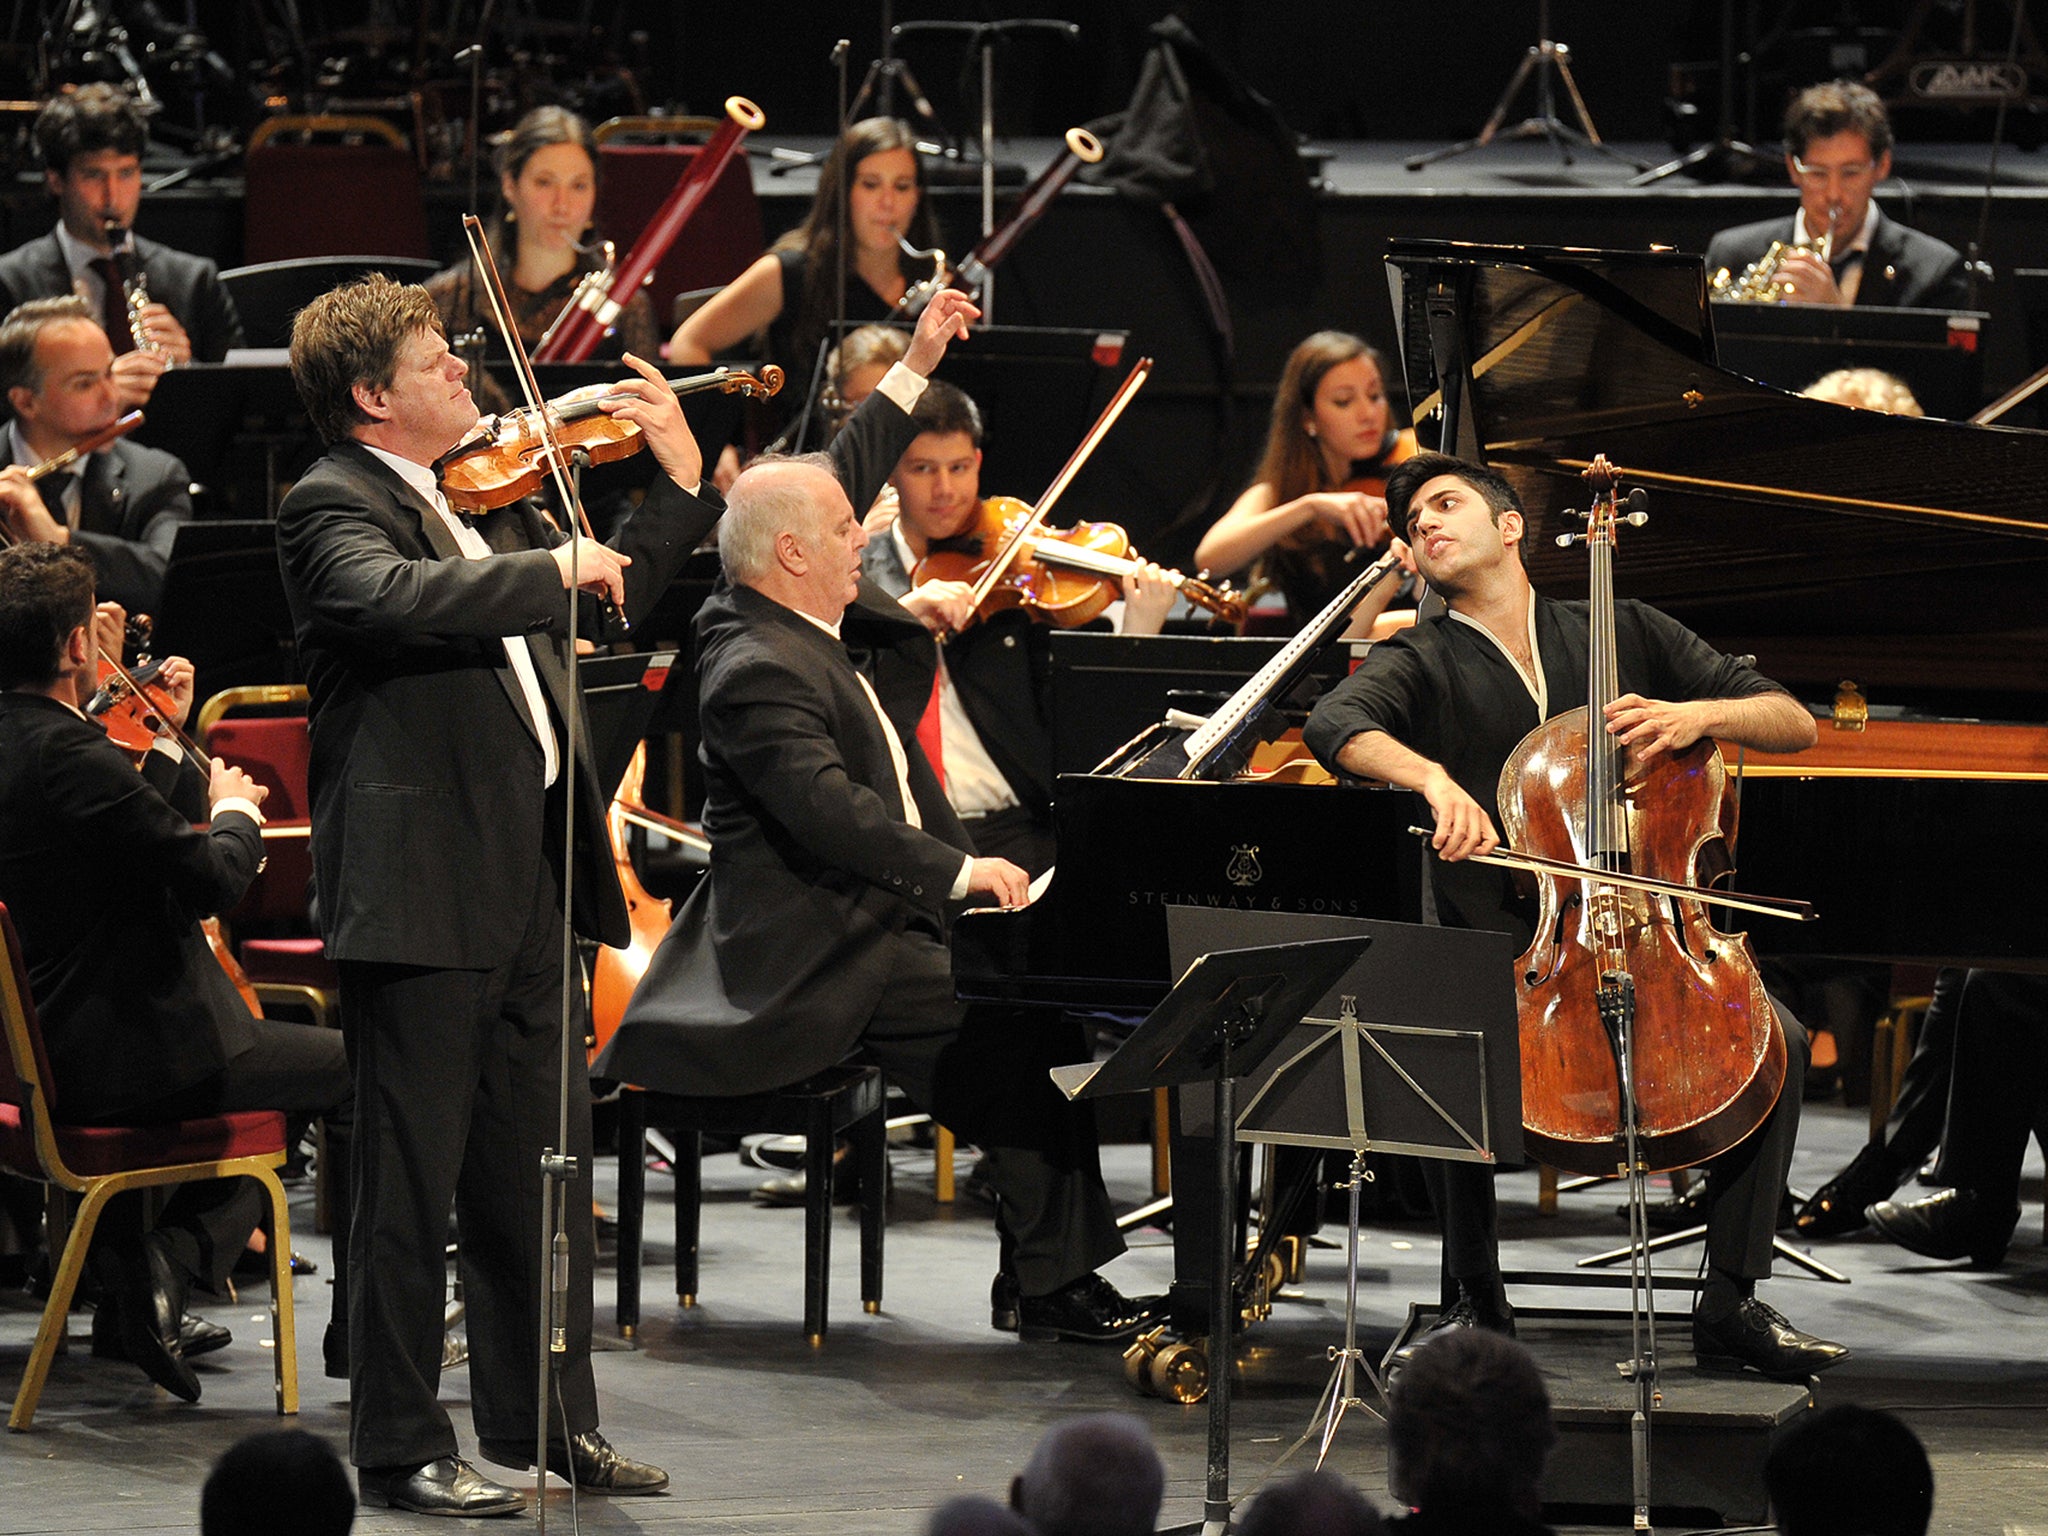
x: 1061, y: 576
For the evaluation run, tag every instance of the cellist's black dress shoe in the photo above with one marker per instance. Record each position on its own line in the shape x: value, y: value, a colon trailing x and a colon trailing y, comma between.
x: 589, y: 1461
x: 1495, y: 1316
x: 1754, y: 1336
x: 1836, y: 1208
x: 1088, y: 1311
x: 447, y: 1486
x: 1950, y: 1224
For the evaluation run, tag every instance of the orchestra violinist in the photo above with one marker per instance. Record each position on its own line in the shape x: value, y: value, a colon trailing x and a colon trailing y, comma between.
x: 122, y: 503
x: 1439, y: 709
x: 978, y: 702
x: 1317, y: 499
x: 106, y: 877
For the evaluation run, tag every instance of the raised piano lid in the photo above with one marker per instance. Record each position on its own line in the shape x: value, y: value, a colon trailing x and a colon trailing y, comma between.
x: 1908, y: 554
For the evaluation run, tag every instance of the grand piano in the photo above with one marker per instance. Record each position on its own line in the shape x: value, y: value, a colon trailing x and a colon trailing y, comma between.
x: 1909, y: 556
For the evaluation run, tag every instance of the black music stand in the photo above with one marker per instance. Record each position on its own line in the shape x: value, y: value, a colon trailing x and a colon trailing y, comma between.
x: 1225, y: 1015
x: 223, y: 606
x: 1432, y: 1069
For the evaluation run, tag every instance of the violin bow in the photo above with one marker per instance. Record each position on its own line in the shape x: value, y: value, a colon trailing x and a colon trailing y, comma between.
x: 1021, y: 535
x: 529, y: 386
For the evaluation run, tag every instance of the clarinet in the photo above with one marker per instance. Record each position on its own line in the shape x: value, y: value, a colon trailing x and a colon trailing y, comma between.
x: 134, y: 287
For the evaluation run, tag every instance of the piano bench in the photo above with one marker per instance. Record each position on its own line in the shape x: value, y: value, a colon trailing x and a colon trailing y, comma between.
x: 843, y: 1100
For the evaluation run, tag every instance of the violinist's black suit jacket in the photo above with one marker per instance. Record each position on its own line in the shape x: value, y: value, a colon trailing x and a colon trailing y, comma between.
x: 436, y: 856
x: 132, y: 503
x: 188, y: 286
x: 425, y: 774
x: 106, y: 879
x: 1903, y: 269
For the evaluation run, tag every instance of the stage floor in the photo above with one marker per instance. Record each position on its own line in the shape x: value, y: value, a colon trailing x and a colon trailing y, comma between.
x: 899, y: 1411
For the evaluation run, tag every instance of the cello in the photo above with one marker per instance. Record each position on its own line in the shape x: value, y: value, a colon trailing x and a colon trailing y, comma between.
x: 1628, y: 993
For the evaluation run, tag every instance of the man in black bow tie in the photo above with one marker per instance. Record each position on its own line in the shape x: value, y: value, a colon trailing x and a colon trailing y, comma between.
x: 436, y: 649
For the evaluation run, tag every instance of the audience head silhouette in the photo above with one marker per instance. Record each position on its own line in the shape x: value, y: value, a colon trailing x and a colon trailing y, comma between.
x: 275, y: 1481
x: 1468, y: 1427
x: 1849, y: 1471
x: 973, y: 1515
x: 1092, y: 1476
x: 1313, y: 1504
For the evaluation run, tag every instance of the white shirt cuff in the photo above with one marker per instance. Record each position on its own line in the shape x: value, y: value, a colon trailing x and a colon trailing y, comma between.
x: 960, y: 880
x: 237, y: 803
x: 903, y: 387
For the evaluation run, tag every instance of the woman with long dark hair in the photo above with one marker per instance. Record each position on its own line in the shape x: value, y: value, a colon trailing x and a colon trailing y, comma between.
x: 1314, y: 501
x: 791, y: 292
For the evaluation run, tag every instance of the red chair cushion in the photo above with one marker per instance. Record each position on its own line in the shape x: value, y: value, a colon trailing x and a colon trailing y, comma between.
x: 97, y: 1150
x: 289, y: 962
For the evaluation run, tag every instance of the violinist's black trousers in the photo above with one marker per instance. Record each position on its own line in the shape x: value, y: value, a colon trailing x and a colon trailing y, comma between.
x: 456, y: 1084
x: 1743, y: 1187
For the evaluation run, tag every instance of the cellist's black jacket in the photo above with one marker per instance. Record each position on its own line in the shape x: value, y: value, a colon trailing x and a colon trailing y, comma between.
x: 1445, y: 690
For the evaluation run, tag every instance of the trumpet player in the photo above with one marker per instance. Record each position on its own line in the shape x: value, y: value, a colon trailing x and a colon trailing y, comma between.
x: 159, y: 307
x: 1838, y: 147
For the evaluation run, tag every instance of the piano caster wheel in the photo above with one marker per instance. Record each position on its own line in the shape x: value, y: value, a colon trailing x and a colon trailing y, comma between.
x: 1273, y: 1274
x: 1138, y: 1359
x: 1179, y: 1372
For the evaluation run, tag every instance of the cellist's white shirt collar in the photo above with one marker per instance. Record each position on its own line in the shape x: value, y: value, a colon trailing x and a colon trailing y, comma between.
x: 1538, y: 685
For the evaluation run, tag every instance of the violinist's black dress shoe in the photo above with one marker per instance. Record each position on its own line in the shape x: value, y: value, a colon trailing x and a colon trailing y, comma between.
x: 597, y: 1466
x: 196, y: 1336
x: 1088, y: 1311
x: 1950, y: 1224
x: 149, y: 1297
x: 447, y: 1486
x: 1468, y: 1311
x: 1836, y: 1208
x: 1755, y: 1336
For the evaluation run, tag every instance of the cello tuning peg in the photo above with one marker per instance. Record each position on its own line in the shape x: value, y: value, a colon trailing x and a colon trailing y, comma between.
x: 1567, y: 540
x: 1636, y: 519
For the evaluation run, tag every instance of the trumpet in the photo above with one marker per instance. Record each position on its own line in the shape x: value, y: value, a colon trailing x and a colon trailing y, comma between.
x: 134, y: 288
x: 1759, y: 282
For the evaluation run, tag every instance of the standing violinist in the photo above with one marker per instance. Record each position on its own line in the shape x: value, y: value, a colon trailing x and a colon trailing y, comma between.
x: 435, y: 648
x: 977, y: 702
x: 106, y: 877
x: 1315, y: 501
x: 1438, y: 709
x: 91, y: 141
x: 123, y: 503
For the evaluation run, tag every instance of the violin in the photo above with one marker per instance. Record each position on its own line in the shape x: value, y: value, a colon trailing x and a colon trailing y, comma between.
x: 1063, y: 576
x: 1373, y: 481
x: 506, y: 458
x: 1627, y: 985
x: 130, y: 704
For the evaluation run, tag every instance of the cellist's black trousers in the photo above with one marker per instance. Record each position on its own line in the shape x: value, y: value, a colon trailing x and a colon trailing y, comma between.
x: 1743, y: 1187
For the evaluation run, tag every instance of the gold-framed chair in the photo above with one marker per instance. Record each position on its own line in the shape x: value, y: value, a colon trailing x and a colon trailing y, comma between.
x: 99, y: 1162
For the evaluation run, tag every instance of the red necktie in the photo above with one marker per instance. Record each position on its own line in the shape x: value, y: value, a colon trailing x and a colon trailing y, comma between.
x: 929, y: 735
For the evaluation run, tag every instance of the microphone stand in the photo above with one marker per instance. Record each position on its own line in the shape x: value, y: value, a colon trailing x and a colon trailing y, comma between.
x: 796, y: 434
x: 473, y: 55
x: 1974, y: 264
